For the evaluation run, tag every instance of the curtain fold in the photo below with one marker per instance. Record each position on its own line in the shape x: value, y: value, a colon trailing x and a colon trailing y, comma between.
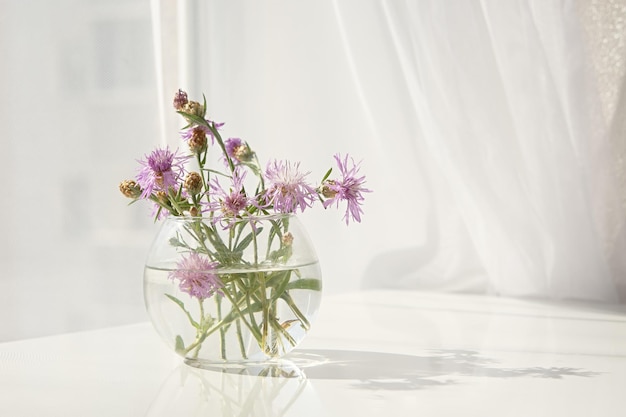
x: 506, y: 106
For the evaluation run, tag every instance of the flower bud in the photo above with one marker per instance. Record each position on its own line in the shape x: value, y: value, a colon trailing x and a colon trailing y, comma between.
x: 242, y: 153
x: 193, y: 107
x: 238, y: 150
x: 198, y: 141
x: 193, y: 183
x: 287, y: 239
x: 180, y: 100
x: 162, y: 197
x: 194, y: 212
x: 130, y: 189
x: 327, y: 189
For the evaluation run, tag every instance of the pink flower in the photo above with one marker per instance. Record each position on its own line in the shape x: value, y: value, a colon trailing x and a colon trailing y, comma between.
x: 195, y: 134
x: 196, y: 276
x: 180, y: 99
x: 159, y: 171
x: 238, y: 150
x: 348, y: 188
x: 232, y: 202
x: 287, y: 189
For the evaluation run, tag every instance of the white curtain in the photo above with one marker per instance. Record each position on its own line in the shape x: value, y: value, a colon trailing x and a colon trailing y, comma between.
x: 508, y: 113
x: 492, y: 131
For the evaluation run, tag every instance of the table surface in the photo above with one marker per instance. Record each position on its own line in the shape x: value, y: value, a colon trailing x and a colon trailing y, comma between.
x: 389, y: 353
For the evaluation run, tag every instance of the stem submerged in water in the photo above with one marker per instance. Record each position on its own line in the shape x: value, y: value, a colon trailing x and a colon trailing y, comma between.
x: 256, y: 290
x: 218, y: 301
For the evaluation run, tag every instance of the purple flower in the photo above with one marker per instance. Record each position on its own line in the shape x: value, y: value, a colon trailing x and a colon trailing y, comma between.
x: 180, y: 99
x: 196, y: 276
x: 349, y: 189
x: 230, y: 203
x: 287, y: 189
x: 231, y: 145
x: 160, y: 170
x: 196, y: 136
x: 238, y: 150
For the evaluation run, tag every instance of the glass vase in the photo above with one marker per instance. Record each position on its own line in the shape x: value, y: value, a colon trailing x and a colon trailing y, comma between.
x: 232, y: 291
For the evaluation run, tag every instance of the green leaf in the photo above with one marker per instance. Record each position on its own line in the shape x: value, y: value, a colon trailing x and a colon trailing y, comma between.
x: 278, y: 281
x: 326, y: 175
x: 276, y: 277
x: 216, y: 241
x: 213, y: 171
x: 247, y: 240
x: 275, y: 231
x: 134, y: 201
x: 182, y: 305
x: 193, y: 119
x: 253, y: 167
x: 255, y: 307
x: 305, y: 284
x: 208, y: 322
x: 281, y: 286
x: 281, y: 255
x: 180, y: 344
x: 158, y: 213
x: 177, y: 243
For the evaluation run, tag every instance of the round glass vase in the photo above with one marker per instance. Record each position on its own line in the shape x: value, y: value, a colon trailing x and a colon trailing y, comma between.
x: 236, y: 291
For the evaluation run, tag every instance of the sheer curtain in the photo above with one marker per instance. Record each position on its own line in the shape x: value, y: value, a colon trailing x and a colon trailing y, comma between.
x: 490, y: 131
x: 515, y: 113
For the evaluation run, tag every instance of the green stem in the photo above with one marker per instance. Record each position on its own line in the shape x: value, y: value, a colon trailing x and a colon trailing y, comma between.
x: 200, y: 333
x: 226, y: 322
x: 218, y: 301
x: 205, y: 181
x: 265, y: 311
x: 220, y: 142
x: 240, y: 338
x: 260, y: 175
x: 197, y: 343
x: 253, y: 329
x: 285, y: 333
x: 248, y: 292
x: 296, y: 311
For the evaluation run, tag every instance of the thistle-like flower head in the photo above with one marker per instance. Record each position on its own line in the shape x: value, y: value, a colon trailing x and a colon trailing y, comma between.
x: 348, y: 188
x: 287, y: 189
x: 159, y: 171
x: 196, y: 276
x: 280, y: 188
x: 231, y: 202
x: 238, y: 150
x: 196, y: 138
x: 180, y: 100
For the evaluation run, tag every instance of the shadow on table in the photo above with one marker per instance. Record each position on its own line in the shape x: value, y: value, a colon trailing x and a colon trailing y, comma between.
x: 388, y: 371
x: 286, y: 388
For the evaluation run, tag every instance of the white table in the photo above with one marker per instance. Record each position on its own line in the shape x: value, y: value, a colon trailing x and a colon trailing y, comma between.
x: 378, y: 353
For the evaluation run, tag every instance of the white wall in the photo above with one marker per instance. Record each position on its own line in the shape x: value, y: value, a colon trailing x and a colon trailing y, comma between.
x: 78, y: 105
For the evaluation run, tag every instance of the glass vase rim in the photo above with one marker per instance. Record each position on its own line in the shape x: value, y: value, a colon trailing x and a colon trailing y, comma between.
x: 261, y: 217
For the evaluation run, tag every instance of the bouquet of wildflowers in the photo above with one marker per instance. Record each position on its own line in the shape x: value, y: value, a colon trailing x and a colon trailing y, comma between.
x: 222, y: 208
